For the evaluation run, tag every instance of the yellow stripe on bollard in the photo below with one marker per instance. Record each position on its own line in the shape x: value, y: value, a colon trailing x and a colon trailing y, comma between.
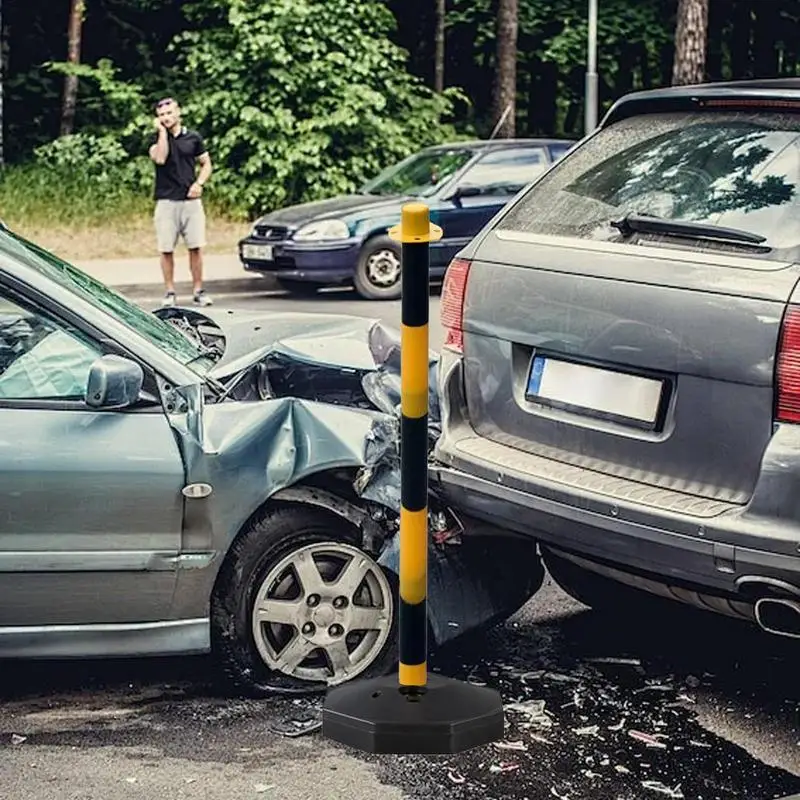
x: 414, y: 370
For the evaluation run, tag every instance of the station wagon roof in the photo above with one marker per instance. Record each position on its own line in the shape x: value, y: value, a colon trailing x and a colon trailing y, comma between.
x: 774, y: 92
x: 493, y: 144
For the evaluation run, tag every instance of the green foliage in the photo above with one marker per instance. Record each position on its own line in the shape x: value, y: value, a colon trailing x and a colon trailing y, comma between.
x: 38, y: 193
x: 301, y: 99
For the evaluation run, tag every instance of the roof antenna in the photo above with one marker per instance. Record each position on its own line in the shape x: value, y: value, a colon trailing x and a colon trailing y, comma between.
x: 502, y: 120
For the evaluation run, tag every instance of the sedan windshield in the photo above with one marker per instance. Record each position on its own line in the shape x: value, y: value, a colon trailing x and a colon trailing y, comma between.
x: 420, y: 175
x: 738, y: 171
x: 162, y: 334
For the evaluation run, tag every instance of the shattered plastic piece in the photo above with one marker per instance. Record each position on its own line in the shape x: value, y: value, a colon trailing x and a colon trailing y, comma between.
x: 646, y: 738
x: 555, y: 793
x: 686, y: 698
x: 455, y: 776
x: 657, y: 786
x: 628, y: 662
x: 130, y: 780
x: 17, y: 739
x: 520, y: 745
x: 590, y: 730
x: 619, y: 726
x: 699, y: 744
x: 504, y: 766
x: 260, y: 788
x: 297, y: 727
x: 534, y: 710
x: 559, y: 677
x: 537, y: 738
x: 622, y: 770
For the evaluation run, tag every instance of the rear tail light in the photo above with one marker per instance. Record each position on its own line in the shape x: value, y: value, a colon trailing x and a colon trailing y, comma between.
x: 788, y: 371
x: 454, y: 290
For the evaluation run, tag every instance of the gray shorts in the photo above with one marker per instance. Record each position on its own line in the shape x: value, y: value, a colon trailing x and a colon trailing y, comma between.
x: 180, y: 218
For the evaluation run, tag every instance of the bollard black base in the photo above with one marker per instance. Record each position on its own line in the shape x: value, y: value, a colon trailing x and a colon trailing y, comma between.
x: 378, y: 716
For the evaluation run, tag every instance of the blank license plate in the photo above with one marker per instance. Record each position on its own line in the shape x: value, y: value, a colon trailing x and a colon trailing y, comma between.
x: 594, y: 390
x: 257, y: 252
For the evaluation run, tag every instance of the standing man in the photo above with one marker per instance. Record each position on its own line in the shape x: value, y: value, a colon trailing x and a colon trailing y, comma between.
x: 178, y: 193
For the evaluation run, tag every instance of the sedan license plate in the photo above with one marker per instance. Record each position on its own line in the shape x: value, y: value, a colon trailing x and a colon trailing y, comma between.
x: 257, y: 252
x: 594, y: 390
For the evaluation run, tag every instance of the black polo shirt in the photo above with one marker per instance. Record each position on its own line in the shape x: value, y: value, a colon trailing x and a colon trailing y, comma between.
x: 177, y: 174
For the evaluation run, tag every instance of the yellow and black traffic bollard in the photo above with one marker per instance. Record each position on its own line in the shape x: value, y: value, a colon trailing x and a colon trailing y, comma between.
x: 410, y: 712
x: 415, y: 234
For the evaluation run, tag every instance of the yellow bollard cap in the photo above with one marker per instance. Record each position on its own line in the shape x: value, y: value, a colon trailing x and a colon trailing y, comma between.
x: 415, y: 225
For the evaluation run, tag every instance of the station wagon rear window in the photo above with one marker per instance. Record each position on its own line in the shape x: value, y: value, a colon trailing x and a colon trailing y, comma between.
x: 737, y: 170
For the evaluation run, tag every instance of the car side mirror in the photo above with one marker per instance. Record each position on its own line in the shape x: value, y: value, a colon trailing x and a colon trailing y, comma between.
x: 464, y: 191
x: 114, y: 382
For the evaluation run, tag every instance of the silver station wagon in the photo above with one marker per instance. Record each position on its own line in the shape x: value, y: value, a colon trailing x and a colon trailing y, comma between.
x: 621, y: 381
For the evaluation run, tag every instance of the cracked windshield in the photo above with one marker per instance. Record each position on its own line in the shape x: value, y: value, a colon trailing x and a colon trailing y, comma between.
x: 399, y: 399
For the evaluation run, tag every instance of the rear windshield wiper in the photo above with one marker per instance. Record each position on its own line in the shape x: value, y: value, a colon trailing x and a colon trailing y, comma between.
x: 693, y: 230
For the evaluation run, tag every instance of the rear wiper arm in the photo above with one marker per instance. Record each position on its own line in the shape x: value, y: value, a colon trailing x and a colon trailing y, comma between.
x: 693, y: 230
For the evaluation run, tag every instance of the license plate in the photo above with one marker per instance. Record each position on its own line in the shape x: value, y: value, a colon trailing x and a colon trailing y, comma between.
x: 257, y: 252
x: 594, y: 390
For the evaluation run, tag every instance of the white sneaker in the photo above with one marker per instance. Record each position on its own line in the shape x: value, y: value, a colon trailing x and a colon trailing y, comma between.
x: 202, y: 299
x: 169, y: 299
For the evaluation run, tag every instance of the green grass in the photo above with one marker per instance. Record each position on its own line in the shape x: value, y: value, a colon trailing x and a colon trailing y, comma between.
x: 79, y: 218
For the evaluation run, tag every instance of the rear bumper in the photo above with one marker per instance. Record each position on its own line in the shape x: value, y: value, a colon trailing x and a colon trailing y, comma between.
x: 331, y: 263
x: 679, y: 539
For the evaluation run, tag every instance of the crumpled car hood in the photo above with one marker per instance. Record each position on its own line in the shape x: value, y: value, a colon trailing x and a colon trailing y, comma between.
x: 337, y: 358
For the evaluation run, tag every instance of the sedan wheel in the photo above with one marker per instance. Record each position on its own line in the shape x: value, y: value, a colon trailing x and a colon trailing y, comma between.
x: 323, y: 613
x: 299, y: 607
x: 379, y: 272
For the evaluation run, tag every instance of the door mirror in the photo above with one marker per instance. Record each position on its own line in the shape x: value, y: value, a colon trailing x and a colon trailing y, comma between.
x: 464, y: 191
x: 114, y: 382
x: 468, y: 191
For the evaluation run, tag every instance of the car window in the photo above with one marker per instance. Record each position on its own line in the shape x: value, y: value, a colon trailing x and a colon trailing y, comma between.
x: 419, y: 175
x: 505, y: 171
x: 39, y: 359
x: 735, y: 170
x: 560, y: 149
x: 162, y: 334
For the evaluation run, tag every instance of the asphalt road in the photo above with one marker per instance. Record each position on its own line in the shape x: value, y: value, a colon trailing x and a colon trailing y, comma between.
x: 688, y: 705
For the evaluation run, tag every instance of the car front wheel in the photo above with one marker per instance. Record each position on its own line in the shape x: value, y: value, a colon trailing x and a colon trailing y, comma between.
x: 378, y: 270
x: 299, y: 607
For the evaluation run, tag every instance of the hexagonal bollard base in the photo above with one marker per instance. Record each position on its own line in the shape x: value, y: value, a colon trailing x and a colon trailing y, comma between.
x: 377, y: 716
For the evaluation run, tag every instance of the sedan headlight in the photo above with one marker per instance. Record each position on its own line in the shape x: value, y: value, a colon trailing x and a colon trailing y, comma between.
x: 323, y: 229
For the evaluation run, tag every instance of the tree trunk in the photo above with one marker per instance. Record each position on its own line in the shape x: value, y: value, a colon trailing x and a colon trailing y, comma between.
x: 73, y: 57
x: 2, y: 82
x: 691, y: 33
x: 438, y: 80
x: 505, y: 87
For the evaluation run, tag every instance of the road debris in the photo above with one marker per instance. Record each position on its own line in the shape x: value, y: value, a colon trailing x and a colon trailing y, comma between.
x: 504, y: 766
x: 520, y: 745
x: 260, y: 788
x: 590, y: 730
x: 297, y: 727
x: 646, y: 738
x: 657, y: 786
x: 16, y: 739
x: 455, y: 776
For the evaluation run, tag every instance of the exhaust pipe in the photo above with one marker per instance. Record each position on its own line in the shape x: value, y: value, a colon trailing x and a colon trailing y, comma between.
x: 779, y: 616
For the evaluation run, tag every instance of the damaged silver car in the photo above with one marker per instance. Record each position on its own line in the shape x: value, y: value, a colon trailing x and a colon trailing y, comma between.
x: 179, y: 482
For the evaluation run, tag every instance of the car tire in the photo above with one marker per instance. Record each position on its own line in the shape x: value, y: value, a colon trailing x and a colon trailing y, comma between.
x: 380, y: 256
x: 600, y: 593
x: 255, y: 567
x: 298, y: 288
